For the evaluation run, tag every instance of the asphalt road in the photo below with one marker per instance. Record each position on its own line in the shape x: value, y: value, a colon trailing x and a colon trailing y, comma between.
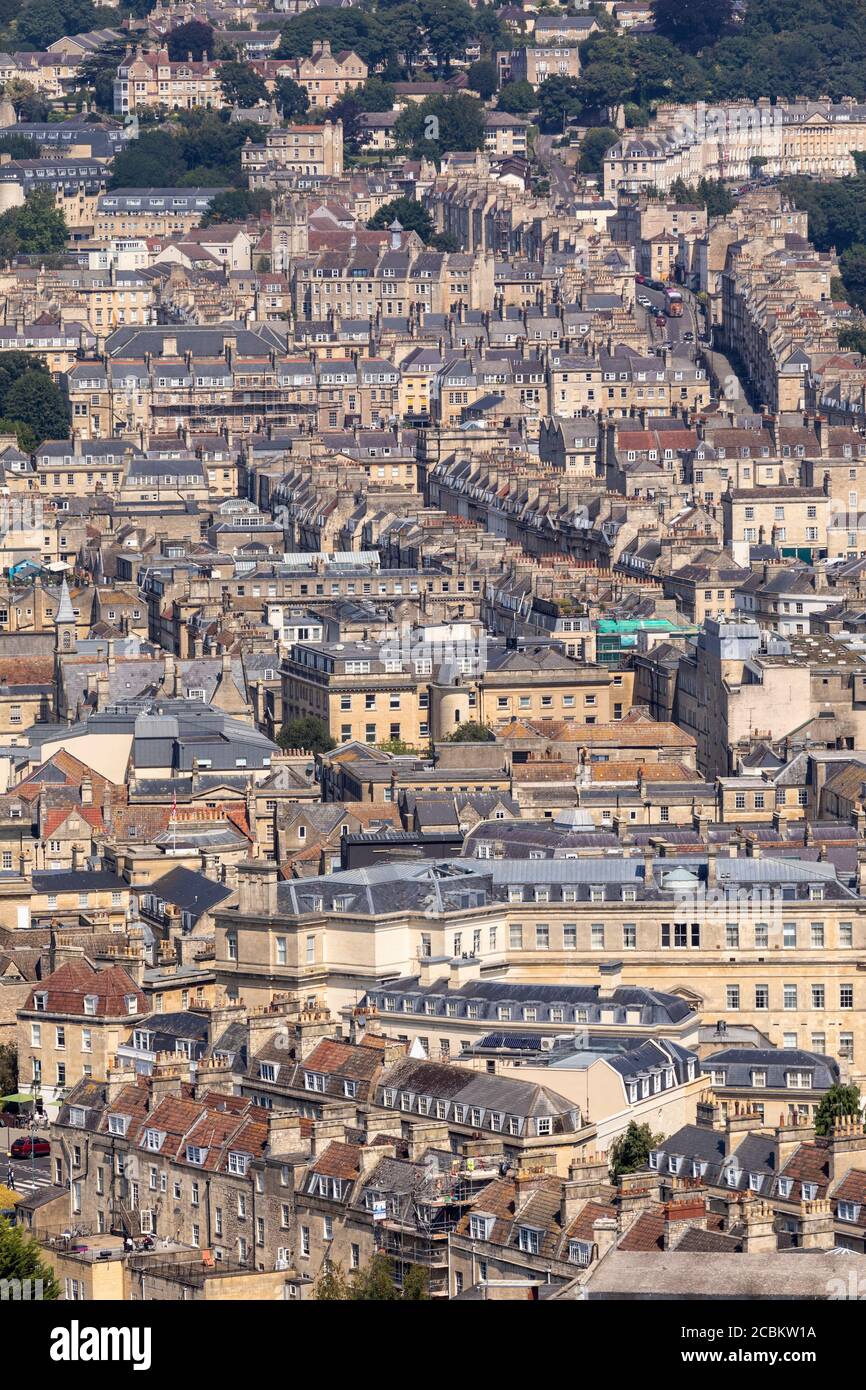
x: 561, y: 181
x: 674, y: 328
x: 29, y: 1173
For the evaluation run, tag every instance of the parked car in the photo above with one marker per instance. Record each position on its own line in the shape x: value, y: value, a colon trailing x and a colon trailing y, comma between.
x: 30, y: 1148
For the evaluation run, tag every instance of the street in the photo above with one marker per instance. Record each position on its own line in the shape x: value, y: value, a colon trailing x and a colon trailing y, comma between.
x: 561, y: 181
x: 674, y: 328
x: 30, y: 1173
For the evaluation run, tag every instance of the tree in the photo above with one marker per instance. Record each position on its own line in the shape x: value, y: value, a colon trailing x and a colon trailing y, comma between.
x: 840, y: 1102
x: 852, y: 264
x: 96, y: 73
x: 20, y: 146
x: 43, y: 21
x: 21, y: 1258
x: 195, y: 37
x: 558, y: 100
x: 448, y: 25
x: 397, y: 746
x: 853, y: 339
x: 241, y: 84
x: 29, y: 104
x: 693, y: 24
x: 472, y: 732
x: 711, y: 194
x: 412, y: 216
x: 36, y: 400
x: 236, y: 205
x: 306, y: 732
x: 37, y: 226
x: 631, y: 1150
x: 332, y: 1285
x: 375, y: 95
x: 517, y: 98
x: 154, y: 160
x: 374, y: 1284
x: 442, y: 123
x: 348, y: 110
x: 8, y: 1070
x: 416, y: 1285
x: 483, y: 78
x: 593, y: 148
x: 291, y: 98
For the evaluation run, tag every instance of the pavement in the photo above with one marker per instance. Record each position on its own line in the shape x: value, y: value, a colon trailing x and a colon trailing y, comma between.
x: 561, y: 181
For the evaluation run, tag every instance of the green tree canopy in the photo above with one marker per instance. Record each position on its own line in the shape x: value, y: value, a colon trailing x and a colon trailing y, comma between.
x: 558, y: 100
x: 242, y: 85
x: 442, y: 123
x: 236, y: 205
x: 8, y: 1069
x: 41, y: 22
x: 373, y: 1284
x: 631, y: 1150
x: 96, y: 73
x: 853, y: 338
x: 375, y: 95
x: 412, y: 216
x: 202, y: 147
x: 21, y: 1258
x: 692, y: 23
x: 840, y: 1102
x: 483, y: 78
x: 36, y: 227
x: 34, y: 399
x: 195, y: 37
x: 471, y: 732
x: 291, y: 98
x: 711, y: 194
x: 517, y: 98
x: 29, y: 104
x: 593, y: 148
x: 305, y: 732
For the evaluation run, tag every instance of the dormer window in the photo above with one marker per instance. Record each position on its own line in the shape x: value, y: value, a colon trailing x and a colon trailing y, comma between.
x: 785, y: 1185
x: 480, y: 1226
x: 118, y: 1124
x: 40, y: 1002
x: 196, y: 1155
x: 238, y: 1163
x: 529, y: 1240
x: 153, y: 1140
x: 130, y: 1003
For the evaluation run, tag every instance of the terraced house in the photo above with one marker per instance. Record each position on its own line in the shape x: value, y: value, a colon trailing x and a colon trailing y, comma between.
x: 769, y: 943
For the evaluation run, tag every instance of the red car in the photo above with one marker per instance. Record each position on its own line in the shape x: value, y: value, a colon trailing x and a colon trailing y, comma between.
x: 30, y: 1148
